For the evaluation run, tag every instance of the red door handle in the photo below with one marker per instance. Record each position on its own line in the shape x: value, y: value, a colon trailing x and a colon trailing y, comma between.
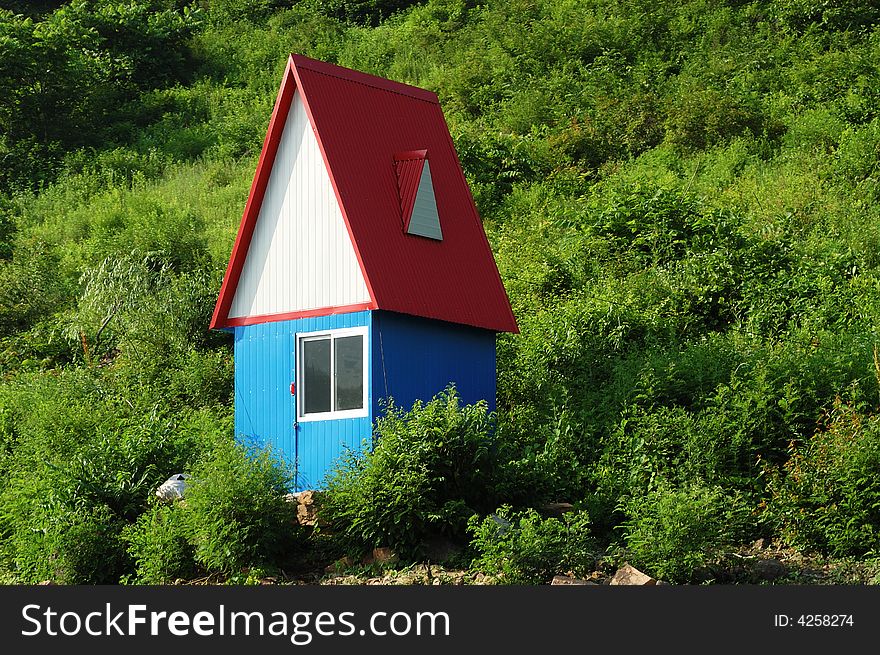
x: 292, y: 389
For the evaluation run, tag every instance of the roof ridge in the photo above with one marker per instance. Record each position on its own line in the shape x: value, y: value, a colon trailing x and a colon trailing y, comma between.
x: 365, y: 79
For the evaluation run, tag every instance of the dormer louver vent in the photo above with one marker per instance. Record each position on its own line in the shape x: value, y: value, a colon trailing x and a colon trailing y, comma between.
x: 418, y: 205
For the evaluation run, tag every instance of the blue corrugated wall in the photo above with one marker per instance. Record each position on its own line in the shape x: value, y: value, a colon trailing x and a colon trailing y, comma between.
x: 410, y: 359
x: 415, y: 358
x: 265, y: 411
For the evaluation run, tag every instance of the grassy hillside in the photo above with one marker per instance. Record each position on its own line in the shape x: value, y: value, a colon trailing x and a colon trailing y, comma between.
x: 683, y: 203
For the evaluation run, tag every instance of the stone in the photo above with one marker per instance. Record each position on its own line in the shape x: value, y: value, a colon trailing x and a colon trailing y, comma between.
x: 173, y: 488
x: 769, y: 569
x: 306, y: 515
x: 630, y: 575
x: 482, y: 579
x: 383, y: 555
x: 568, y: 580
x: 306, y: 510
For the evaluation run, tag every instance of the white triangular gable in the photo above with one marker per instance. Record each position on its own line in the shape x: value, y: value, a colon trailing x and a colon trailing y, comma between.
x: 425, y: 220
x: 300, y: 256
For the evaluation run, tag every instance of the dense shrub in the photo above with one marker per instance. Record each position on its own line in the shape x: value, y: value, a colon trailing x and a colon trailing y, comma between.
x: 80, y: 458
x: 672, y: 532
x: 367, y: 12
x: 66, y: 78
x: 157, y: 543
x: 69, y: 546
x: 236, y: 513
x: 703, y: 117
x: 429, y: 471
x: 827, y: 496
x: 91, y: 522
x: 524, y: 548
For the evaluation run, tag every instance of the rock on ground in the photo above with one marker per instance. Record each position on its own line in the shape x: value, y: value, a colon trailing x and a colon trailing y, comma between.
x: 382, y: 555
x: 630, y: 575
x: 306, y: 511
x: 769, y: 569
x: 173, y: 488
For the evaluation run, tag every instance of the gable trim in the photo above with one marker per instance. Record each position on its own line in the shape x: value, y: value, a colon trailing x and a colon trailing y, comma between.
x: 358, y: 77
x: 289, y: 316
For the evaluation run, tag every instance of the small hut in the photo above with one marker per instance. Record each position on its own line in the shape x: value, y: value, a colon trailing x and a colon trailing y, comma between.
x: 360, y: 271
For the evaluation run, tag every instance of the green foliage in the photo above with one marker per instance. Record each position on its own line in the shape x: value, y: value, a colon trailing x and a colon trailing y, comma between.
x: 234, y: 518
x: 70, y: 546
x: 236, y: 514
x: 365, y: 12
x: 429, y: 471
x: 134, y: 306
x: 833, y: 14
x: 64, y: 78
x: 77, y: 450
x: 827, y: 496
x: 231, y: 11
x: 703, y: 117
x: 32, y: 267
x: 32, y: 7
x: 524, y: 548
x: 672, y: 532
x: 157, y: 542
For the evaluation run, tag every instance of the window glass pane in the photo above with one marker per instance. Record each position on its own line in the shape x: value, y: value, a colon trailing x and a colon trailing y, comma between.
x: 349, y: 372
x: 316, y: 375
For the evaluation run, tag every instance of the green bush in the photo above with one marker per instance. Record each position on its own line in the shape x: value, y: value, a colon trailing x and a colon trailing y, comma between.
x: 827, y: 14
x: 430, y: 470
x: 78, y: 546
x: 541, y: 462
x: 84, y: 67
x: 671, y: 532
x: 524, y: 548
x: 827, y: 496
x: 703, y: 117
x: 366, y: 12
x: 236, y: 514
x: 232, y: 11
x: 157, y: 543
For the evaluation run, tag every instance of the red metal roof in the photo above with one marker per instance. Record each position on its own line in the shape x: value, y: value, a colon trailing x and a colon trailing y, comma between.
x: 365, y: 126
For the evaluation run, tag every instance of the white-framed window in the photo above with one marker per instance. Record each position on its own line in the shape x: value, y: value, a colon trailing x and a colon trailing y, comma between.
x: 331, y: 374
